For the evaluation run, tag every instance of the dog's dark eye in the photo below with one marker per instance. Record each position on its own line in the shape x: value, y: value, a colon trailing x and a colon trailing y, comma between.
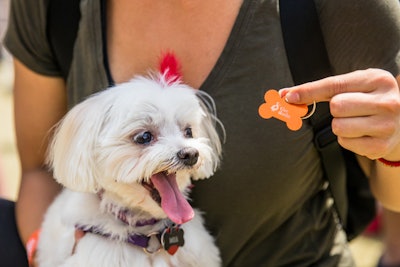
x: 188, y: 132
x: 143, y: 138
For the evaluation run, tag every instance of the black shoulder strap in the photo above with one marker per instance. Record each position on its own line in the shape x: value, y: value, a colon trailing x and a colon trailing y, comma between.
x: 63, y: 18
x: 308, y: 61
x: 304, y: 43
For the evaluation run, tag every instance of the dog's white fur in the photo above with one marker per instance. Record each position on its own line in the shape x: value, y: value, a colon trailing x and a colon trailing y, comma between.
x: 95, y: 150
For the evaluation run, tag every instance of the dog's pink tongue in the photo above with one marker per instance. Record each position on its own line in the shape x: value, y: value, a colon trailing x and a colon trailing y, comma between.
x: 173, y: 202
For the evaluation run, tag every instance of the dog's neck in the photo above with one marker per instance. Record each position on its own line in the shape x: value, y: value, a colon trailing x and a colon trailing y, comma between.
x: 135, y: 227
x: 129, y: 217
x: 169, y: 239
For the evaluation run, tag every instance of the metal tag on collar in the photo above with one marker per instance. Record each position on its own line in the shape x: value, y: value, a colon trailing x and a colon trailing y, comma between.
x: 153, y: 245
x: 172, y: 239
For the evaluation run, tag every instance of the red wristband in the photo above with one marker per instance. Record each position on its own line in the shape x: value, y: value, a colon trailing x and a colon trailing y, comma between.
x: 389, y: 163
x: 31, y: 246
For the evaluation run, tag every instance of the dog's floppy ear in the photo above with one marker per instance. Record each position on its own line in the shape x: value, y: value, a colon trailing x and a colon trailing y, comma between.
x: 71, y: 154
x: 210, y: 123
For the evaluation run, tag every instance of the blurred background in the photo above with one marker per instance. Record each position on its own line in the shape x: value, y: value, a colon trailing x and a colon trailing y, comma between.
x: 366, y: 248
x: 8, y: 157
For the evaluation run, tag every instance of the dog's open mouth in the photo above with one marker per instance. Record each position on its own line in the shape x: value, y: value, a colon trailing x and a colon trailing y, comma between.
x: 164, y: 190
x: 155, y: 195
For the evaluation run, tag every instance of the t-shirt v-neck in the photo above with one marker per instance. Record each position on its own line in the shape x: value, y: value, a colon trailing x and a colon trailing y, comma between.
x: 223, y: 60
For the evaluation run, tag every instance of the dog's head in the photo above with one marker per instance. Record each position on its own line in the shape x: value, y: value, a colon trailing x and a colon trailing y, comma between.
x: 140, y: 143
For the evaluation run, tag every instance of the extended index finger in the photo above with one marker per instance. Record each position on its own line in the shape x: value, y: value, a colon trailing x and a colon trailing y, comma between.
x: 325, y: 89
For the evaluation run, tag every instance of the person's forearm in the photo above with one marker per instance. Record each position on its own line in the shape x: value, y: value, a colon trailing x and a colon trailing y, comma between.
x: 37, y: 190
x: 385, y: 184
x: 385, y: 180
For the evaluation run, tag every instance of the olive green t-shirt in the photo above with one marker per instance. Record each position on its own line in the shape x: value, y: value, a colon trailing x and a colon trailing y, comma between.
x: 263, y: 205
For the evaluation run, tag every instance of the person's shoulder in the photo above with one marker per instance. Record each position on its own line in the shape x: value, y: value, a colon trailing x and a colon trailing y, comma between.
x: 359, y: 16
x: 348, y: 25
x: 365, y: 6
x: 29, y: 13
x: 26, y: 36
x: 29, y: 6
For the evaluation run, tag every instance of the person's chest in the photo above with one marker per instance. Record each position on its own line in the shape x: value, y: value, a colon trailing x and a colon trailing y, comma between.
x: 137, y: 34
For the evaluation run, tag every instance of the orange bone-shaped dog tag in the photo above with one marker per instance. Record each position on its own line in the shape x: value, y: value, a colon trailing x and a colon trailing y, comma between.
x: 277, y: 107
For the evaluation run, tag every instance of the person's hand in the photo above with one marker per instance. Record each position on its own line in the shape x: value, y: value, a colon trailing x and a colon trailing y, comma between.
x: 365, y: 106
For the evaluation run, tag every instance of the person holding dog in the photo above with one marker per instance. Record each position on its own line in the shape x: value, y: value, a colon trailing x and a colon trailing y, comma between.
x: 268, y: 204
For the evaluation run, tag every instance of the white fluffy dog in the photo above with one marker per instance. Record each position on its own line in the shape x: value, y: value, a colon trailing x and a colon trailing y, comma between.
x: 126, y: 157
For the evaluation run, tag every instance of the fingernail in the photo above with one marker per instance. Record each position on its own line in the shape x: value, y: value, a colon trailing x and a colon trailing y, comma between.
x: 282, y: 92
x: 292, y: 97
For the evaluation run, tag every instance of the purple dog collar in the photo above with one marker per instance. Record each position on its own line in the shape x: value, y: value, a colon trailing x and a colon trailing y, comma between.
x: 170, y: 239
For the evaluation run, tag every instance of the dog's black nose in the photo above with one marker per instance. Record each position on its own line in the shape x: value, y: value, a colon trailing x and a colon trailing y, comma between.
x: 188, y: 156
